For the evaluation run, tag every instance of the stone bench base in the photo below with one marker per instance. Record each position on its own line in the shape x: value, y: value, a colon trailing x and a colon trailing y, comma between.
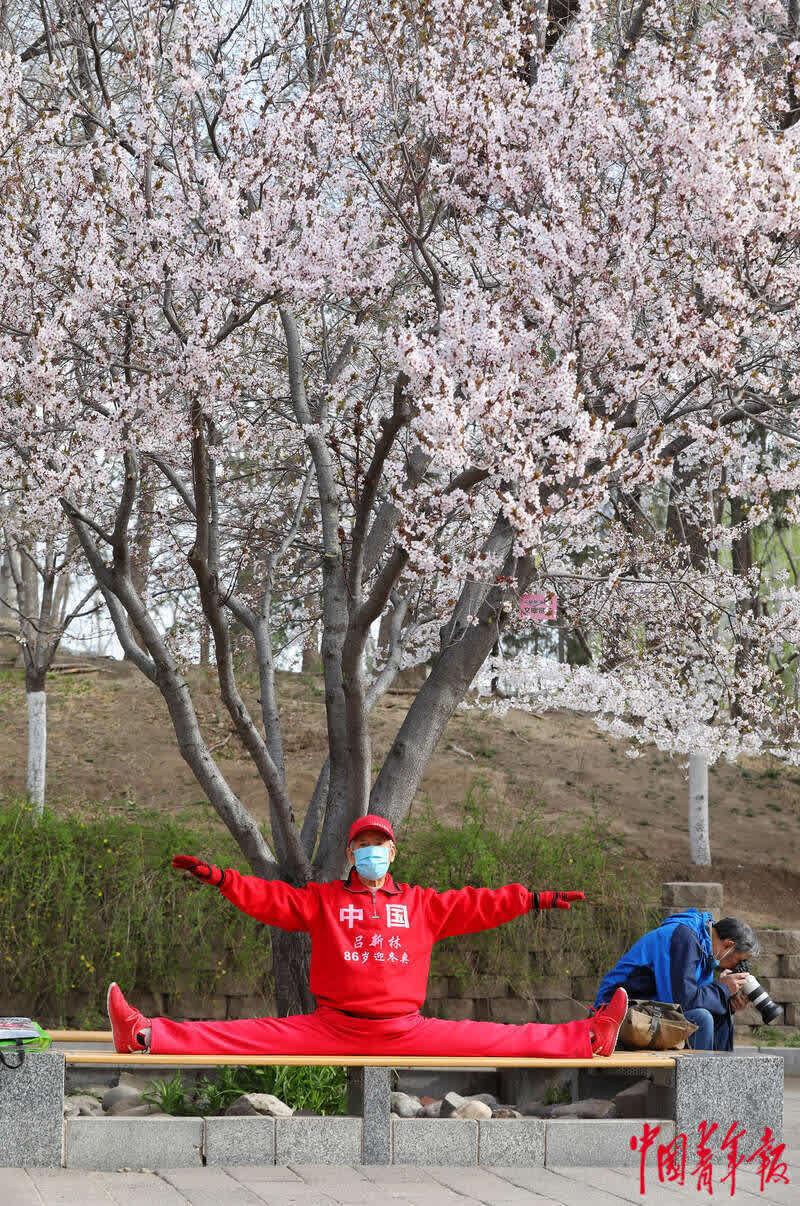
x: 702, y: 1087
x: 111, y: 1143
x: 32, y: 1111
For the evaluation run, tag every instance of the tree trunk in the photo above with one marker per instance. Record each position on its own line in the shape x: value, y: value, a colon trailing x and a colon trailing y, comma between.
x: 312, y: 659
x: 742, y: 564
x: 205, y: 643
x: 7, y: 616
x: 37, y: 749
x: 291, y: 954
x: 494, y: 688
x: 699, y: 845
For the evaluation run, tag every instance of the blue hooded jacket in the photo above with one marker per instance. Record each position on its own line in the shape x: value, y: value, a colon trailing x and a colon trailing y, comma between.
x: 671, y: 963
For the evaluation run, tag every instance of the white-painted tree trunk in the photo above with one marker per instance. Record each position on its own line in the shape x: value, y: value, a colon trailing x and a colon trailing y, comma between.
x: 37, y: 749
x: 699, y: 844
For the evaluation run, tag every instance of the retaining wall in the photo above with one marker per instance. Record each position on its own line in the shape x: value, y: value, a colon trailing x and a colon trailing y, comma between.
x: 135, y: 1143
x: 556, y: 995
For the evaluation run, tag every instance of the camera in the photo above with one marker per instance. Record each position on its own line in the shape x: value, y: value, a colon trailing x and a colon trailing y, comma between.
x: 757, y: 995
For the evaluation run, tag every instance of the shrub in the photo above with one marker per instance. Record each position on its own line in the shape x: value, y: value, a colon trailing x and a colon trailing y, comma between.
x: 589, y: 937
x: 85, y: 901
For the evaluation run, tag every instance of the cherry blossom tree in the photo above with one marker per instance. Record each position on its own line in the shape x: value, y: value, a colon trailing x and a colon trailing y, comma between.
x: 45, y: 601
x: 410, y: 308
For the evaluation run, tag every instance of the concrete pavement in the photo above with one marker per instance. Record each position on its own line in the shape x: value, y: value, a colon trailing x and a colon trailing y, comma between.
x: 330, y: 1185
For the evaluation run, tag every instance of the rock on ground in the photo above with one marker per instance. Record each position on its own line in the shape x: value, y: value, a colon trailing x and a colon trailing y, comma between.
x: 260, y: 1103
x: 405, y: 1105
x: 144, y: 1109
x: 632, y: 1102
x: 592, y: 1107
x: 82, y: 1105
x: 450, y: 1103
x: 473, y: 1109
x: 135, y: 1080
x: 126, y: 1104
x: 121, y: 1093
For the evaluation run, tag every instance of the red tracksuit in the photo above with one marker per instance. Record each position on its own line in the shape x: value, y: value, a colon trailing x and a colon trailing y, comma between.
x: 370, y: 956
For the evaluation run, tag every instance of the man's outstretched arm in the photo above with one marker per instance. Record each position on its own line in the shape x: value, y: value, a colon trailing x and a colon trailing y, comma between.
x: 269, y: 900
x: 468, y: 910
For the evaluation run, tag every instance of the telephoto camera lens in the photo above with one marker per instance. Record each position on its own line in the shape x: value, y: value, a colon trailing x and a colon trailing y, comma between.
x: 757, y: 995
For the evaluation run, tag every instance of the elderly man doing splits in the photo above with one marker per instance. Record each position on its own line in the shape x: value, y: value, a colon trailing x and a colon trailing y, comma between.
x: 371, y: 948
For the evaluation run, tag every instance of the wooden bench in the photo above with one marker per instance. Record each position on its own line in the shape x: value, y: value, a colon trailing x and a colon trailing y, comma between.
x: 79, y: 1038
x: 703, y: 1086
x: 75, y: 1038
x: 368, y: 1092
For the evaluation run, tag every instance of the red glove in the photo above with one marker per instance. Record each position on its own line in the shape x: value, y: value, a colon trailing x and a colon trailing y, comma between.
x: 205, y: 871
x: 555, y: 900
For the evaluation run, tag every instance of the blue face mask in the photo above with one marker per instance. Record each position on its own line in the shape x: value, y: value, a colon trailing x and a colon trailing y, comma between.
x: 372, y: 862
x: 715, y: 963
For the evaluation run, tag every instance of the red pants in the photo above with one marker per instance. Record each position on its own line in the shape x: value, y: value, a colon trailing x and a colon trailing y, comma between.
x: 330, y: 1032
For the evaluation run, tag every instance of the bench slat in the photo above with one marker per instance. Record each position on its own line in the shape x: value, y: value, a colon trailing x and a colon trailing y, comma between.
x: 81, y: 1036
x: 620, y: 1059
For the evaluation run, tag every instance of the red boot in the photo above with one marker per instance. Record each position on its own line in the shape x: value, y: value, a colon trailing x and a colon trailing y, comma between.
x: 127, y: 1024
x: 604, y: 1025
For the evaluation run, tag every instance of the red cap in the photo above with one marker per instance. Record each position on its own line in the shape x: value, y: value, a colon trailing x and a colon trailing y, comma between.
x: 370, y: 821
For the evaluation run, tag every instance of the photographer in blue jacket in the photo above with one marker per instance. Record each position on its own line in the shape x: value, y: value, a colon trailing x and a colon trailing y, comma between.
x: 676, y: 962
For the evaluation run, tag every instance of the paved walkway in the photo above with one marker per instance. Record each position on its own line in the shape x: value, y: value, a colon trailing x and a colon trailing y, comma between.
x: 326, y: 1185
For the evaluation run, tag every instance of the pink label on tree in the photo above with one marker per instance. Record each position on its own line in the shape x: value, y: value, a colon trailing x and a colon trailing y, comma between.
x: 538, y: 606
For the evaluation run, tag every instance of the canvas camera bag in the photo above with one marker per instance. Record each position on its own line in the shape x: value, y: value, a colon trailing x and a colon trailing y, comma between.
x: 659, y: 1025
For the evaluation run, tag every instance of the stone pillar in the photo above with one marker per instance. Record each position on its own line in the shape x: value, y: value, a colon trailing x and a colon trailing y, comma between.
x: 724, y: 1088
x: 369, y: 1090
x: 675, y: 897
x: 32, y: 1111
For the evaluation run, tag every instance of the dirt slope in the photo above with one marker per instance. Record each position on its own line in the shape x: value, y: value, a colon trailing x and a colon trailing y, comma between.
x: 110, y: 739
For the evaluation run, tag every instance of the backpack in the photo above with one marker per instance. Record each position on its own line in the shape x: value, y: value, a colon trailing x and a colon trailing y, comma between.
x: 18, y: 1035
x: 660, y: 1025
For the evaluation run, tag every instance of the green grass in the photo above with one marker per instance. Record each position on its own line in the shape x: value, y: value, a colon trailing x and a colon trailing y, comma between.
x: 769, y: 1036
x: 558, y: 1095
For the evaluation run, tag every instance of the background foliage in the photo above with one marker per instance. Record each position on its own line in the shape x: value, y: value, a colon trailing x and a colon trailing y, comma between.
x: 539, y: 853
x: 86, y: 899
